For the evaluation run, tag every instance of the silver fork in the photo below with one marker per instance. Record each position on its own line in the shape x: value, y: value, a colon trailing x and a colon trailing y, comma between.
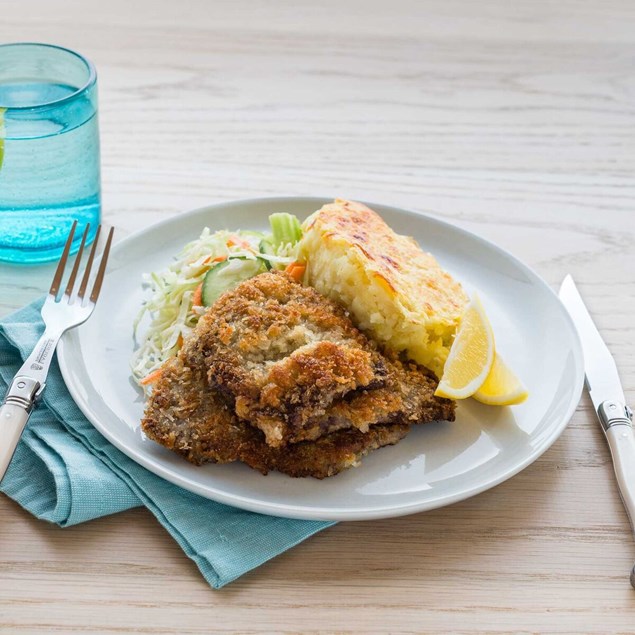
x: 59, y: 315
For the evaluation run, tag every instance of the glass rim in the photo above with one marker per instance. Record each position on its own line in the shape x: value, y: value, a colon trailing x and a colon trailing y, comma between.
x: 92, y: 76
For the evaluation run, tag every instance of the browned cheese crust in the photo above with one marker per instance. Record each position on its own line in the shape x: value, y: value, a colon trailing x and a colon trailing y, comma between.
x: 397, y: 262
x: 291, y: 363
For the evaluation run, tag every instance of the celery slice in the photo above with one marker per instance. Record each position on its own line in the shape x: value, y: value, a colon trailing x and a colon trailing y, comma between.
x: 285, y: 228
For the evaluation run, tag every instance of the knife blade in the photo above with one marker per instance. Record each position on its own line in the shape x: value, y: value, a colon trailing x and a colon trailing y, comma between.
x: 606, y: 392
x: 602, y: 379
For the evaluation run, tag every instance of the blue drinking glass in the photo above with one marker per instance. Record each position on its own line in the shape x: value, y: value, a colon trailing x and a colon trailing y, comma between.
x: 49, y: 150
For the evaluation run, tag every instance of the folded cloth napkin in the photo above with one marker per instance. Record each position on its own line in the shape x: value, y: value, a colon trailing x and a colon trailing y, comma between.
x: 65, y: 472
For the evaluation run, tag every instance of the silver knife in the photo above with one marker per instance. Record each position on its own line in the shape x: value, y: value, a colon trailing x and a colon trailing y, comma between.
x: 607, y: 395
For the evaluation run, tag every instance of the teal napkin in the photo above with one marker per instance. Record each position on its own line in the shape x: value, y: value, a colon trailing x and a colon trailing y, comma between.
x: 65, y: 472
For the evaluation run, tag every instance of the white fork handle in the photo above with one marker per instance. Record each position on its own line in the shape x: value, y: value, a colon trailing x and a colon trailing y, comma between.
x: 13, y: 418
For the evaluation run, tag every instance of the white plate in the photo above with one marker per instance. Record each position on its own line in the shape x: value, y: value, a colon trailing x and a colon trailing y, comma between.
x: 435, y: 465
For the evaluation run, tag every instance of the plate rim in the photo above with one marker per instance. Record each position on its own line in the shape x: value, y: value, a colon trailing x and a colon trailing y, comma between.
x: 64, y: 354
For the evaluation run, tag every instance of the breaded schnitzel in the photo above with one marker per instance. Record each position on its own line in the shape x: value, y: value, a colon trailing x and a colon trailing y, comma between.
x: 272, y: 357
x: 186, y: 416
x: 289, y: 360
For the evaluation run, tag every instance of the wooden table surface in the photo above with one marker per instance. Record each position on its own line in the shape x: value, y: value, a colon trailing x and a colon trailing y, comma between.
x: 513, y: 120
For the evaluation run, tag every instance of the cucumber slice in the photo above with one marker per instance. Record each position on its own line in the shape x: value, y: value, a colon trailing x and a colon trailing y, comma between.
x: 229, y: 274
x: 266, y: 247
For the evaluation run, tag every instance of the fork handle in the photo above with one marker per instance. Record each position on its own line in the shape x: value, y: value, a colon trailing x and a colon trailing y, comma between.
x: 13, y: 418
x: 14, y: 414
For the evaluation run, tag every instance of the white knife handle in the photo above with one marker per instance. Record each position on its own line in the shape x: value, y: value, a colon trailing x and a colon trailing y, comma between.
x: 616, y: 420
x: 622, y: 443
x: 13, y: 418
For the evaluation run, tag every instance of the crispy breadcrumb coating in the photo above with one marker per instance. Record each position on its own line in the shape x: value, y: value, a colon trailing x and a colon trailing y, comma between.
x: 334, y: 401
x: 188, y: 417
x: 283, y: 354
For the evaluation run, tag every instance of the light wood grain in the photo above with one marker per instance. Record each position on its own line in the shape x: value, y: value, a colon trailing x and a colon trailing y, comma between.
x: 513, y: 120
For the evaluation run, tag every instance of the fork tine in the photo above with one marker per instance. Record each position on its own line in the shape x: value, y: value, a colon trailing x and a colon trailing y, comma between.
x: 89, y: 264
x: 102, y: 268
x: 59, y: 272
x: 78, y: 258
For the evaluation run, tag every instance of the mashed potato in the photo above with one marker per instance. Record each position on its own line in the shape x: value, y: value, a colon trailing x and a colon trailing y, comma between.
x: 393, y: 289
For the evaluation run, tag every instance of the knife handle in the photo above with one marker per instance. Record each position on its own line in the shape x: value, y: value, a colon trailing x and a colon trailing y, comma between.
x: 622, y: 443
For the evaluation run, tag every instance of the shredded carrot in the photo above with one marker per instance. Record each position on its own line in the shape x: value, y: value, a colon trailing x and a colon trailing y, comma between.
x: 217, y: 259
x: 296, y: 270
x: 197, y: 297
x: 239, y: 242
x: 152, y: 377
x: 179, y: 340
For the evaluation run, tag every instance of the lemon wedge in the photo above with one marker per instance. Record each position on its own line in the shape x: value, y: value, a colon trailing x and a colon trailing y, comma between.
x: 471, y: 356
x: 501, y: 387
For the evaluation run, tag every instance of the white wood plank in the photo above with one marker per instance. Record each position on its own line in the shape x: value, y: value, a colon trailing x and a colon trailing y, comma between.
x: 514, y: 120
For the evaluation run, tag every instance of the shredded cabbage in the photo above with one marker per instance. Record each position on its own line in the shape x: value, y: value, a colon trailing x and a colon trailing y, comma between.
x: 172, y: 316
